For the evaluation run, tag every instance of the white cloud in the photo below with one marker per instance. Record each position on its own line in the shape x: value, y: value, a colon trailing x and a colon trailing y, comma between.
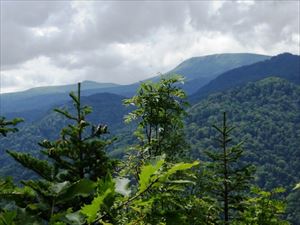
x: 58, y: 42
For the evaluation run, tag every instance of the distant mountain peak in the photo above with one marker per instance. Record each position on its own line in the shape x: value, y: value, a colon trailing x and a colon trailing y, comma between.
x: 210, y: 66
x: 284, y: 65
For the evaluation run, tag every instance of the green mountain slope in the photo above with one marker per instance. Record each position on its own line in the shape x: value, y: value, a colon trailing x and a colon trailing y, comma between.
x: 284, y: 65
x: 107, y: 109
x: 267, y: 116
x: 211, y: 66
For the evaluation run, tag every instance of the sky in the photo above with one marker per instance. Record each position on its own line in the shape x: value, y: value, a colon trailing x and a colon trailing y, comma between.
x: 62, y: 42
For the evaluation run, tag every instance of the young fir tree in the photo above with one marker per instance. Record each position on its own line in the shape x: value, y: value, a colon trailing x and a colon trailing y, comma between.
x: 230, y: 180
x: 7, y: 126
x: 6, y: 184
x: 76, y: 159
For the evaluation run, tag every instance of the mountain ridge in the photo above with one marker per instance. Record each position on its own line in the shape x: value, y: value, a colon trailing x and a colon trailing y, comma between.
x: 284, y: 65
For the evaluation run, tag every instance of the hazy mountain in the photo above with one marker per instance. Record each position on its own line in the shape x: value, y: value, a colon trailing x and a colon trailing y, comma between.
x: 212, y: 65
x: 33, y: 103
x: 107, y: 109
x: 284, y: 65
x: 46, y: 90
x: 198, y: 71
x: 40, y: 97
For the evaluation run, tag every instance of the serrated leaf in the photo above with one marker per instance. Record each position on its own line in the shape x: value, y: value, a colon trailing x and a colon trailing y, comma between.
x: 180, y: 167
x: 91, y: 210
x: 82, y: 187
x: 147, y: 172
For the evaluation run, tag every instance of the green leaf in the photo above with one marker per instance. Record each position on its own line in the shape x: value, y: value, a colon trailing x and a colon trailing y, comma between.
x: 180, y: 167
x: 82, y: 188
x: 91, y: 210
x: 7, y: 217
x: 147, y: 172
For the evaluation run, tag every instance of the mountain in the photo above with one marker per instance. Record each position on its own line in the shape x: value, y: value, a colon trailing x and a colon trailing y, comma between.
x: 211, y: 66
x: 198, y: 71
x: 107, y: 109
x: 42, y: 98
x: 86, y: 85
x: 33, y: 103
x: 284, y: 65
x: 266, y: 115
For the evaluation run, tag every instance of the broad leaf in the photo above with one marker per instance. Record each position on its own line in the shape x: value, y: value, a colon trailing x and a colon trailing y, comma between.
x: 147, y: 172
x: 91, y: 210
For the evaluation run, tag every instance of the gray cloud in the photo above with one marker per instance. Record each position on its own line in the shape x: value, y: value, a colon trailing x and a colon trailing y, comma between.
x: 123, y: 42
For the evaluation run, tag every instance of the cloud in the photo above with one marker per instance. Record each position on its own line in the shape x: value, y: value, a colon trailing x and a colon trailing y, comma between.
x: 59, y: 42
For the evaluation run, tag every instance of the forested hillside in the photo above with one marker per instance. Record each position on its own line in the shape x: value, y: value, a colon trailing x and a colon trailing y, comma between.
x: 284, y: 65
x: 264, y: 111
x: 107, y: 109
x: 76, y: 182
x: 266, y: 116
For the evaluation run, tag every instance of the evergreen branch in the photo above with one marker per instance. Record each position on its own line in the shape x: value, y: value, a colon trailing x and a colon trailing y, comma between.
x: 41, y: 167
x: 66, y: 114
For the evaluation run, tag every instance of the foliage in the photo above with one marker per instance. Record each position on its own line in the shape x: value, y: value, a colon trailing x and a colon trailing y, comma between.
x: 159, y: 112
x: 74, y: 162
x: 7, y: 126
x: 154, y: 200
x: 266, y: 116
x: 293, y: 207
x: 285, y: 66
x: 107, y: 109
x: 263, y: 209
x: 75, y: 180
x: 229, y: 180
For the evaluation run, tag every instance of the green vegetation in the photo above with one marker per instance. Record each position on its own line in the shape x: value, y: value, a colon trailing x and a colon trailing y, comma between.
x: 266, y: 116
x: 159, y: 106
x: 7, y: 126
x: 230, y: 180
x: 285, y: 66
x: 77, y: 183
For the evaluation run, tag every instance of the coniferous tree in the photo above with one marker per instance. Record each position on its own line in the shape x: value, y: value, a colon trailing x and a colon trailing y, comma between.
x: 230, y: 180
x: 76, y: 160
x: 6, y: 184
x: 7, y: 126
